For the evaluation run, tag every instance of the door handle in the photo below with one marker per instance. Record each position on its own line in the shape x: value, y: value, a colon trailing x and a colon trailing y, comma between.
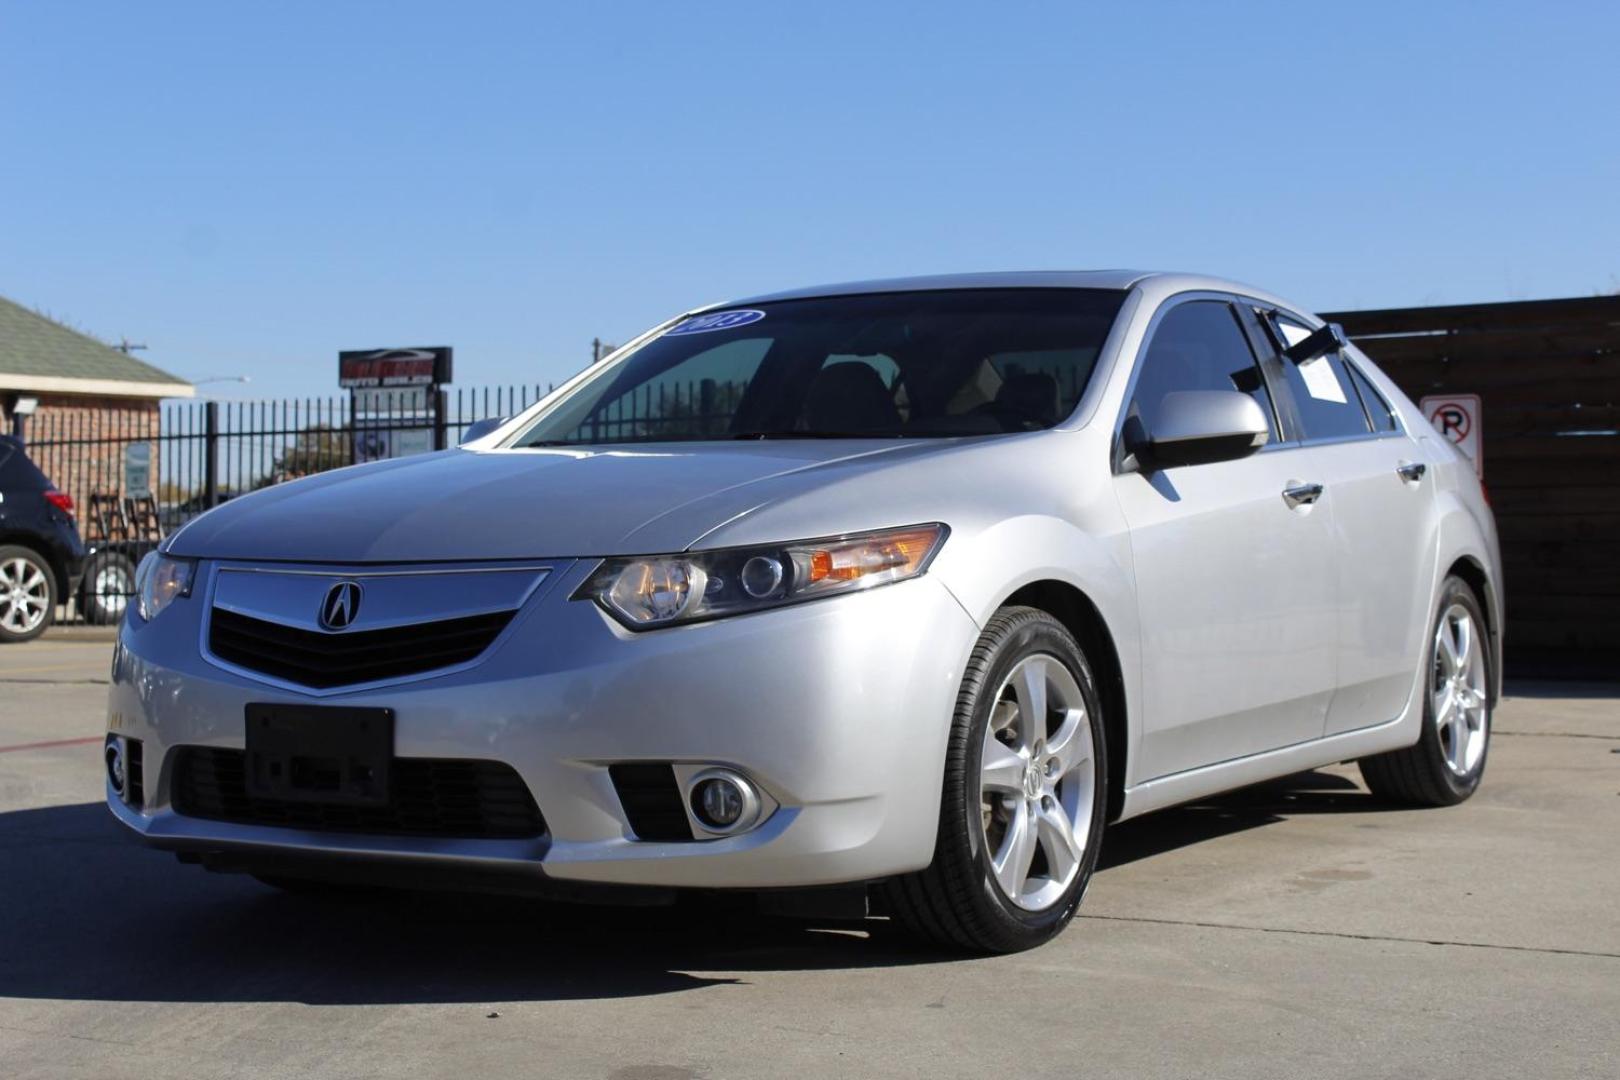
x: 1411, y: 471
x: 1302, y: 494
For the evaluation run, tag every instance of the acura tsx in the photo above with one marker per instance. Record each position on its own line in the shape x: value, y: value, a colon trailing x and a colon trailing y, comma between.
x: 901, y: 589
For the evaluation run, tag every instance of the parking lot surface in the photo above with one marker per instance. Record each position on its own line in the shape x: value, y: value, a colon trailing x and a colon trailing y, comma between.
x: 1295, y: 929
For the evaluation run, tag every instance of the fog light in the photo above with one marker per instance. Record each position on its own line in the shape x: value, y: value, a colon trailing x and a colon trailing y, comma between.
x: 720, y: 803
x: 117, y: 771
x: 723, y: 801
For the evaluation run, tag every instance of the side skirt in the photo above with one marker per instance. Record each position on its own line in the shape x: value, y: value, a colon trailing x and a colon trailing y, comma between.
x: 1213, y: 779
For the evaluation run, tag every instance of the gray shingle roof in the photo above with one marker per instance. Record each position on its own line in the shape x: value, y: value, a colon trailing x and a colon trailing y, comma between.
x: 31, y: 344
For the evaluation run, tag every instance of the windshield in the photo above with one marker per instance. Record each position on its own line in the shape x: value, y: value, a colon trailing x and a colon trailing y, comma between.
x: 884, y: 365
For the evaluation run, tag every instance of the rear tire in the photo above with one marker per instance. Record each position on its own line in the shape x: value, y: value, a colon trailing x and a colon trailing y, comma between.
x: 1444, y: 767
x: 995, y: 885
x: 109, y: 587
x: 27, y: 594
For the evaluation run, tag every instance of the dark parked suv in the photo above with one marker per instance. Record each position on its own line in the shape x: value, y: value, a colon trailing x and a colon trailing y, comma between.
x: 41, y: 556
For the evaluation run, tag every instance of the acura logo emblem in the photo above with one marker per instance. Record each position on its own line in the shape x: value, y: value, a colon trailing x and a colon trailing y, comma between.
x: 341, y: 606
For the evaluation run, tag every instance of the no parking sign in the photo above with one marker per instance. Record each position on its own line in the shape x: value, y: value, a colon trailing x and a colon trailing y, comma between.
x: 1456, y: 416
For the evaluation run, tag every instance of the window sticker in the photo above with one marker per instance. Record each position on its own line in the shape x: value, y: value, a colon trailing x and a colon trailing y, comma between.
x: 1320, y: 381
x: 718, y: 320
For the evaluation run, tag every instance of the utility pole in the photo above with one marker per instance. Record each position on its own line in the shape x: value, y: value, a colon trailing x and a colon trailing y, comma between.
x: 127, y: 346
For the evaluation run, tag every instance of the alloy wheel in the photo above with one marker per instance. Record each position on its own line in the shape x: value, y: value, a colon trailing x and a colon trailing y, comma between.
x: 25, y: 595
x: 1037, y: 782
x: 112, y: 587
x: 1457, y: 692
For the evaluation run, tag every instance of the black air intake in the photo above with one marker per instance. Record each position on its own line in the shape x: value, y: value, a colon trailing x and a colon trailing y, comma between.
x: 652, y: 800
x: 428, y: 797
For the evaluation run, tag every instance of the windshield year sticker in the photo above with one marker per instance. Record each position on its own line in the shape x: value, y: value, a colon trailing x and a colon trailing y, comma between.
x: 720, y: 320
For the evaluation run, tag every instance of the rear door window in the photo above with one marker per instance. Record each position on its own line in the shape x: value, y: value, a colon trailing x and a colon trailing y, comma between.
x: 1326, y: 401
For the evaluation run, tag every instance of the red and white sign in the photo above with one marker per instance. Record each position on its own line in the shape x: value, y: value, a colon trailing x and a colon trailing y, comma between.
x: 385, y: 368
x: 1456, y: 416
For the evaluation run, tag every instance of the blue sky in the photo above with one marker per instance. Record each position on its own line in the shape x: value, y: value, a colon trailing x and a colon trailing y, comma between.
x: 250, y: 188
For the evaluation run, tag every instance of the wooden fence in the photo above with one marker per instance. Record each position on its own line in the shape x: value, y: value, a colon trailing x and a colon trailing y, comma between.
x: 1548, y: 376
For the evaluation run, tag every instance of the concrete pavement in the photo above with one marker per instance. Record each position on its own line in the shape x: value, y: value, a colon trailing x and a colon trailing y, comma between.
x: 1296, y: 929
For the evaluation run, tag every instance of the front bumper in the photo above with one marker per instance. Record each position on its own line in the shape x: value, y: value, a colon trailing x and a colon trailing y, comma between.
x: 839, y: 709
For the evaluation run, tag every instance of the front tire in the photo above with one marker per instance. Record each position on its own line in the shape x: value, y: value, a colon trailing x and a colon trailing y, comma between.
x: 1024, y: 797
x: 1444, y: 767
x: 27, y: 594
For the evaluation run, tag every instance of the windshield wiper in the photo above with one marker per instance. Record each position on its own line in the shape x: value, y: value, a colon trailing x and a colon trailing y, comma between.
x: 813, y: 434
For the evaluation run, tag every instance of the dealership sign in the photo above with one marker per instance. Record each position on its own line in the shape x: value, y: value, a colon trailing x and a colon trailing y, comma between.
x: 1456, y: 416
x: 367, y: 368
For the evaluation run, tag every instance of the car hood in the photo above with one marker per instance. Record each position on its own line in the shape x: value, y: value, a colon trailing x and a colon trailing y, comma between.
x: 516, y: 504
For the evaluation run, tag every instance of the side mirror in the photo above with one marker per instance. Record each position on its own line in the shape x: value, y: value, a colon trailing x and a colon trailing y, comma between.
x: 1198, y: 427
x: 479, y: 428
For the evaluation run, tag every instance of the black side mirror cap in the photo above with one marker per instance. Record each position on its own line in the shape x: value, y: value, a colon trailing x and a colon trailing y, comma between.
x: 1329, y: 339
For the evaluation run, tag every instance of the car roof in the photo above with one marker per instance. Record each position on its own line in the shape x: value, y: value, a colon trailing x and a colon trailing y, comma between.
x: 1164, y: 282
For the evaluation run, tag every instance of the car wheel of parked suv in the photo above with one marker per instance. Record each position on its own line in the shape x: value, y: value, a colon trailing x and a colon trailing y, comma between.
x: 27, y: 594
x: 109, y: 583
x: 1445, y: 765
x: 1021, y: 817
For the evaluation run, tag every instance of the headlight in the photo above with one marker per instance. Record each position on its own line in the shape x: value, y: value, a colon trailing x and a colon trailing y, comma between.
x: 159, y: 581
x: 664, y: 590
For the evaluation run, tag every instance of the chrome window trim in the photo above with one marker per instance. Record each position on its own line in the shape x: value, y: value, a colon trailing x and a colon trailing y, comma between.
x: 1328, y: 440
x: 546, y: 572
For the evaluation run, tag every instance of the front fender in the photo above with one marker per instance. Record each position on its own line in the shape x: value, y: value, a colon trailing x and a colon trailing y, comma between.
x: 1037, y: 548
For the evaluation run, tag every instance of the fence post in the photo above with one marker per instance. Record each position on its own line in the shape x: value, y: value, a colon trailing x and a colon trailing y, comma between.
x: 441, y: 418
x: 211, y: 454
x: 706, y: 406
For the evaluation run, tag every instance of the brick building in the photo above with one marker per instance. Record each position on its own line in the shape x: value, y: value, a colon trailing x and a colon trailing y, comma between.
x: 80, y: 404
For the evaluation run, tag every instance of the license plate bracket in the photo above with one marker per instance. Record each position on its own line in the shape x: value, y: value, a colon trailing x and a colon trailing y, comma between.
x: 335, y: 755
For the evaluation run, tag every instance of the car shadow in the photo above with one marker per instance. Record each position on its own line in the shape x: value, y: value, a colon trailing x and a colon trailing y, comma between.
x: 88, y: 914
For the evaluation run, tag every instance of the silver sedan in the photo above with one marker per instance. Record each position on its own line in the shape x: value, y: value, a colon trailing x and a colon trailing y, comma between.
x: 896, y: 592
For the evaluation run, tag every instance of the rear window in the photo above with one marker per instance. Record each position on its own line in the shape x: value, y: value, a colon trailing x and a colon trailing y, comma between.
x: 17, y: 473
x: 888, y: 365
x: 1378, y: 410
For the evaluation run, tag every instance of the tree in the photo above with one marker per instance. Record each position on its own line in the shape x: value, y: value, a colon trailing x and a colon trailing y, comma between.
x: 315, y: 449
